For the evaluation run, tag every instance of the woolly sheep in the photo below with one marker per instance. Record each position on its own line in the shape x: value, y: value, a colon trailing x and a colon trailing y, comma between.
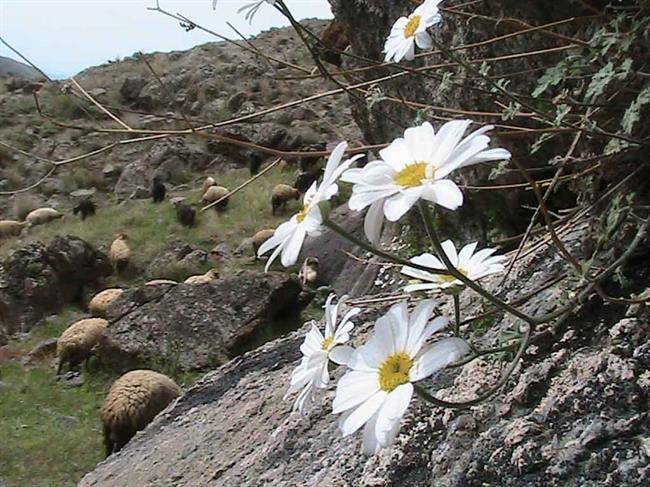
x: 42, y: 215
x: 120, y: 253
x: 304, y: 180
x: 207, y: 184
x: 209, y: 276
x: 259, y: 238
x: 11, y: 228
x: 76, y: 343
x: 185, y: 214
x: 215, y: 193
x: 281, y: 194
x: 308, y: 272
x: 101, y: 301
x: 133, y: 401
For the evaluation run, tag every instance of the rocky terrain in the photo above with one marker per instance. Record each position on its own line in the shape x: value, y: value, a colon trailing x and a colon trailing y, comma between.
x: 574, y: 409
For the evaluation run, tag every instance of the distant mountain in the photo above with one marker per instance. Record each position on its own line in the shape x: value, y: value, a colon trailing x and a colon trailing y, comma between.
x: 10, y: 67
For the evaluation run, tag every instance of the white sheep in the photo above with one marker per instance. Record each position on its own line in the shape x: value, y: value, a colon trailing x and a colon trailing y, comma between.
x: 209, y: 276
x: 120, y: 253
x: 102, y: 300
x: 40, y: 216
x: 11, y: 228
x: 76, y: 343
x: 131, y: 404
x: 215, y: 193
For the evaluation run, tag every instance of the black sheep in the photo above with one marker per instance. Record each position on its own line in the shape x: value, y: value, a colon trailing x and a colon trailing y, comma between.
x: 158, y: 190
x: 86, y: 207
x: 304, y: 180
x: 186, y: 215
x: 254, y: 163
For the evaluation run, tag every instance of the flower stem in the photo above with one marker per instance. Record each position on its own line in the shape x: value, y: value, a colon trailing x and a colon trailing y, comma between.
x: 456, y: 314
x: 435, y: 241
x: 379, y: 253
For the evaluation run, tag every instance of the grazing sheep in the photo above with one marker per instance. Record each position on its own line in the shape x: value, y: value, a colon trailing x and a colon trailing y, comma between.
x: 308, y: 274
x: 281, y: 194
x: 120, y: 253
x: 185, y: 214
x: 209, y: 276
x: 131, y: 404
x: 102, y: 300
x: 305, y: 180
x: 86, y: 207
x: 215, y: 193
x: 307, y: 163
x: 254, y: 163
x: 76, y: 343
x: 42, y: 215
x: 334, y: 41
x: 11, y: 228
x: 207, y: 184
x: 158, y: 190
x: 259, y: 238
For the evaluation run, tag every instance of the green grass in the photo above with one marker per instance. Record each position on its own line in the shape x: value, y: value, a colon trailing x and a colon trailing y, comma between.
x: 152, y: 227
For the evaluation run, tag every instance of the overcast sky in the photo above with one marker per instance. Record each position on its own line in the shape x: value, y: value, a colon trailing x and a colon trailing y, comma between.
x: 62, y: 37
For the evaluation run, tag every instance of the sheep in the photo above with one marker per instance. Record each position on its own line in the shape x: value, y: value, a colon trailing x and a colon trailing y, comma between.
x: 308, y: 274
x: 333, y: 41
x: 280, y: 195
x: 76, y: 343
x: 11, y: 228
x: 42, y: 215
x: 132, y: 402
x: 207, y: 184
x: 186, y: 215
x: 304, y: 180
x: 259, y: 238
x: 120, y: 253
x: 158, y: 190
x: 215, y: 193
x: 86, y: 207
x: 254, y: 163
x: 102, y: 300
x: 209, y: 276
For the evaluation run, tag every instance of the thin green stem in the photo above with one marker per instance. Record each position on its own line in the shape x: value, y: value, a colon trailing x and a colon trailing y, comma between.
x: 379, y: 253
x: 456, y: 314
x: 435, y: 241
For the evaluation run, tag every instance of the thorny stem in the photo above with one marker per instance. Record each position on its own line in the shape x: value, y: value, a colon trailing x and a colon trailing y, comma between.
x: 431, y: 231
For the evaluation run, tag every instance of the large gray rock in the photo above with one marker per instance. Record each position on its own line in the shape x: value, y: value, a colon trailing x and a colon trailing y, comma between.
x: 195, y: 326
x: 37, y: 280
x: 573, y: 413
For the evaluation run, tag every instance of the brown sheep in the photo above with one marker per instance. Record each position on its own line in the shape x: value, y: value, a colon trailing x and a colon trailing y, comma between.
x: 259, y: 238
x: 281, y: 194
x: 131, y: 404
x: 102, y: 300
x: 308, y: 274
x: 11, y: 228
x: 120, y: 253
x: 76, y: 343
x: 207, y: 184
x: 209, y: 276
x: 334, y: 41
x: 42, y: 215
x: 215, y: 193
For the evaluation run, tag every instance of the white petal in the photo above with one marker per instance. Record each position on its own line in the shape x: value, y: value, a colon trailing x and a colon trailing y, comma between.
x: 374, y: 221
x: 423, y: 40
x: 418, y: 320
x: 450, y: 250
x: 420, y: 141
x: 396, y: 206
x: 370, y: 444
x: 391, y: 413
x: 353, y: 389
x: 447, y: 138
x: 354, y: 420
x: 292, y: 248
x: 445, y: 193
x: 341, y: 354
x: 437, y: 357
x: 465, y: 254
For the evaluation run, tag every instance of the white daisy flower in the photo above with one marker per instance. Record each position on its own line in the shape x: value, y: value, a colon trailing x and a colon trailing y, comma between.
x: 289, y: 237
x: 414, y: 167
x: 251, y: 7
x: 472, y: 265
x: 378, y: 388
x: 318, y: 350
x: 411, y: 30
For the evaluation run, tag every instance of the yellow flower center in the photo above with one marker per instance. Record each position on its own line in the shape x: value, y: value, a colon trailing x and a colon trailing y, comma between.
x: 412, y: 175
x: 394, y: 371
x: 327, y: 342
x: 412, y: 26
x: 302, y: 214
x: 444, y: 278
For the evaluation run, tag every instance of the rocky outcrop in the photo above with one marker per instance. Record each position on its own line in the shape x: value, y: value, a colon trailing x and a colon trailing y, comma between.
x: 196, y: 326
x: 574, y: 412
x: 37, y: 280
